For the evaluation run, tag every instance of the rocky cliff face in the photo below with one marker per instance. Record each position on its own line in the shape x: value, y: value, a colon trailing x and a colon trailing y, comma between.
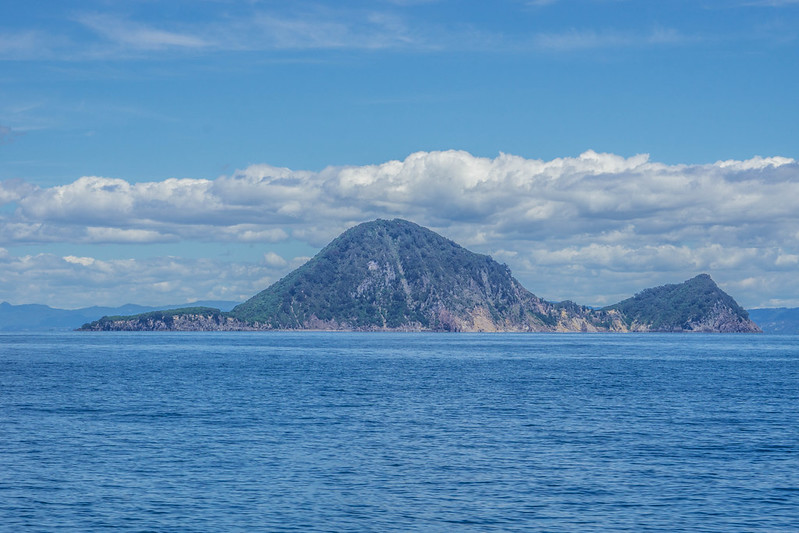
x: 723, y: 319
x: 398, y: 276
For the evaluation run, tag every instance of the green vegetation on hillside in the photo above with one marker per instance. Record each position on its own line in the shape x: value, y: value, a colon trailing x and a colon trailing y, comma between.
x: 166, y: 316
x: 383, y: 274
x: 676, y: 306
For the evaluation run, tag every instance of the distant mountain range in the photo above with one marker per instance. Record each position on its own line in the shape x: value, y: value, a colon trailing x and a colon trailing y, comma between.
x: 35, y: 317
x: 780, y: 320
x: 398, y: 276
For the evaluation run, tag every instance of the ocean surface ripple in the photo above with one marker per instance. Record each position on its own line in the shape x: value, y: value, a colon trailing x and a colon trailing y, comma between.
x: 398, y: 432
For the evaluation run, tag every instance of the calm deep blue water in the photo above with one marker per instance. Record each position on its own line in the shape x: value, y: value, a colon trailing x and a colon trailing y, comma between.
x: 398, y: 432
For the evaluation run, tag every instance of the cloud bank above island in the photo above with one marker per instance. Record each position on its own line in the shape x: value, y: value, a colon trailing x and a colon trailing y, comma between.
x: 593, y: 228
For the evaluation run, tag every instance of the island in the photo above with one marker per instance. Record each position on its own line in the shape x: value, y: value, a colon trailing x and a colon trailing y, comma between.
x: 394, y: 275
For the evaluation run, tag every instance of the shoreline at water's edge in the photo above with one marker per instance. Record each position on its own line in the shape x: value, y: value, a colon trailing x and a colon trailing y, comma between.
x: 133, y: 326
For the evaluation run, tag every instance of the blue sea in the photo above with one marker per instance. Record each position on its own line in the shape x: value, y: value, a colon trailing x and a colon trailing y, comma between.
x: 398, y: 432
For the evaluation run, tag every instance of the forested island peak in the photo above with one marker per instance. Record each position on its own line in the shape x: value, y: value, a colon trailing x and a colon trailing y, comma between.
x: 394, y: 275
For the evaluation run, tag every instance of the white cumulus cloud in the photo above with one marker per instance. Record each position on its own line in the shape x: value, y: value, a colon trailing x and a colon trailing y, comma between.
x: 273, y: 259
x: 596, y: 216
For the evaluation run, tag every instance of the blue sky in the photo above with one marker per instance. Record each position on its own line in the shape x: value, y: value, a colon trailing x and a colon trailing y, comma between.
x: 146, y: 146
